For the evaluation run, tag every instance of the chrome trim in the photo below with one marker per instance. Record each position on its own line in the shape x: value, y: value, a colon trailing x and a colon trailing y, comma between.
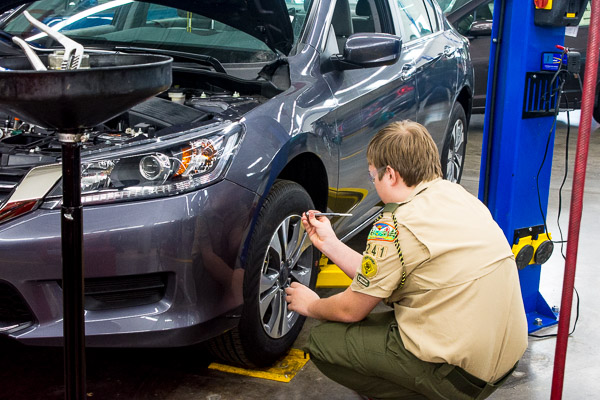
x: 15, y: 328
x: 8, y: 328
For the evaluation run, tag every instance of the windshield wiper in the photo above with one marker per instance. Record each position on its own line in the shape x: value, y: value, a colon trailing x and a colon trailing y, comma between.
x: 12, y: 48
x: 6, y: 40
x: 6, y: 36
x: 206, y: 60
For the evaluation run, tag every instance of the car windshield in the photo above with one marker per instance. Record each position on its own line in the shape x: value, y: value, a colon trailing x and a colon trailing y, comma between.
x: 108, y: 24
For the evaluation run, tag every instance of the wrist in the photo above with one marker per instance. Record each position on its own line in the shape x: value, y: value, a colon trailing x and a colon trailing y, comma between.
x: 328, y: 247
x: 312, y: 308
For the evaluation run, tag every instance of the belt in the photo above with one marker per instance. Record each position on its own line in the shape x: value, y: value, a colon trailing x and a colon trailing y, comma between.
x: 472, y: 385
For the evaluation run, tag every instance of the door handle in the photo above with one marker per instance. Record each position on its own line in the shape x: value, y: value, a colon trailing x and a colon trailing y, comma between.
x: 407, y: 71
x: 449, y: 51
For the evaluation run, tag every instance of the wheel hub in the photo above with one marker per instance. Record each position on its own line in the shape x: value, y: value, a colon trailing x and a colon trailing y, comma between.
x: 455, y: 152
x: 285, y: 261
x: 284, y: 274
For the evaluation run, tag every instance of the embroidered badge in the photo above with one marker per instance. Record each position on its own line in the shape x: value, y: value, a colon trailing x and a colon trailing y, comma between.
x: 362, y: 280
x: 369, y: 266
x: 376, y: 250
x: 383, y: 231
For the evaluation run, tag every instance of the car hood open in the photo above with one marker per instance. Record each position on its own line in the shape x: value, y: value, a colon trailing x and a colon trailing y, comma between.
x: 266, y: 20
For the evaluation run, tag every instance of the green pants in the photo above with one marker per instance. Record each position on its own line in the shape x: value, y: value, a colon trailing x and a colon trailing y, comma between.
x: 369, y: 357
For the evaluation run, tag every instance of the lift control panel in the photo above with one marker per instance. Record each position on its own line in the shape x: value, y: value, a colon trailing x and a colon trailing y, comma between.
x: 552, y: 61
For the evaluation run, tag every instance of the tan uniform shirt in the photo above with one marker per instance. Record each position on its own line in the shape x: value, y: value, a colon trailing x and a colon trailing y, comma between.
x: 460, y: 302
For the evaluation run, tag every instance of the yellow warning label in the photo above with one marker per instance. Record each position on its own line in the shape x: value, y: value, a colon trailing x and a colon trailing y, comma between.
x: 283, y: 371
x: 540, y: 5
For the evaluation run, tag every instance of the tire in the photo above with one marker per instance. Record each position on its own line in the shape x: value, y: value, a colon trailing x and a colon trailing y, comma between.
x: 455, y: 145
x: 262, y: 335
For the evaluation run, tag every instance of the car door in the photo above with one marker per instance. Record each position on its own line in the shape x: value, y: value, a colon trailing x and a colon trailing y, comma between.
x: 475, y: 22
x: 366, y: 100
x: 434, y: 62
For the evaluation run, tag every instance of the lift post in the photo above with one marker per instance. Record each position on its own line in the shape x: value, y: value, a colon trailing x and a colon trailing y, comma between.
x: 518, y: 139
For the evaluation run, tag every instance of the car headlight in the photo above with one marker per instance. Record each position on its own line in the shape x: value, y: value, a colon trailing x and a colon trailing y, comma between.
x: 166, y: 171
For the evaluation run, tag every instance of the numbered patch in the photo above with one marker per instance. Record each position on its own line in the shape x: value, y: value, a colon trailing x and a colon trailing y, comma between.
x: 376, y: 250
x: 382, y: 231
x: 369, y: 266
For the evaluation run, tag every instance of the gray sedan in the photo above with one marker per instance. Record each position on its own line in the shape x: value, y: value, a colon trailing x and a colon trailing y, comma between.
x: 192, y: 199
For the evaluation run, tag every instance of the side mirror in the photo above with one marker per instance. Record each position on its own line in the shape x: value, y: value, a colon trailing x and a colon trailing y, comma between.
x: 368, y: 50
x: 481, y: 28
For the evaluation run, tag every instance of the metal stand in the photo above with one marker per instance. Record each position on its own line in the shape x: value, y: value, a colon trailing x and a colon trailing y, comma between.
x: 72, y: 259
x: 69, y: 101
x: 514, y: 172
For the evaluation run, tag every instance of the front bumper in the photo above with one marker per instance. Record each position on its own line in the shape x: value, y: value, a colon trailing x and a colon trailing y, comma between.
x: 192, y: 242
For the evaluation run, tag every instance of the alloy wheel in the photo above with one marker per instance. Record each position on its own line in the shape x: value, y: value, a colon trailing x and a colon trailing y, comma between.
x: 288, y: 259
x: 456, y: 151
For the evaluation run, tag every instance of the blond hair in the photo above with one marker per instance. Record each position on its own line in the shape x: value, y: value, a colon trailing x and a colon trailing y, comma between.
x: 408, y: 148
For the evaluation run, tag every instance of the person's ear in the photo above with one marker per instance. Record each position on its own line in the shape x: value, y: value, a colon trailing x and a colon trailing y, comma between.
x: 393, y: 175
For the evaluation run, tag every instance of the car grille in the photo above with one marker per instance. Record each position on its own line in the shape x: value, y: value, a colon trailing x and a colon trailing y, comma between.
x: 124, y: 291
x: 9, y: 179
x: 14, y: 313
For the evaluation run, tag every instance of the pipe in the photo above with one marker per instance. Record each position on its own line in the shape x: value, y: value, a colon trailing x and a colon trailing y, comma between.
x: 583, y: 139
x: 488, y: 163
x: 72, y: 259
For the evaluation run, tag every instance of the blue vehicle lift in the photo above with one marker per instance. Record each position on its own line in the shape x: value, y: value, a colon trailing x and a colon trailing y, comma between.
x: 518, y: 139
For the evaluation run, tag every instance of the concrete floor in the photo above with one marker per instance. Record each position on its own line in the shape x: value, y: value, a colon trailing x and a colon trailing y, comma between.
x: 36, y: 373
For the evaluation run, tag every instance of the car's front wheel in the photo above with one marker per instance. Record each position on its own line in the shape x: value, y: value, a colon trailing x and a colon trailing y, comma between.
x: 279, y: 254
x: 453, y: 152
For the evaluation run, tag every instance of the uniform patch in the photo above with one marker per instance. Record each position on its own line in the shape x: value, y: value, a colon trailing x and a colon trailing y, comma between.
x: 376, y: 250
x: 369, y: 266
x: 383, y: 231
x: 362, y: 280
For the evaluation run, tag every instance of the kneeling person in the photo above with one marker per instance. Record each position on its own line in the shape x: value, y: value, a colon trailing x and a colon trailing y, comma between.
x: 436, y: 256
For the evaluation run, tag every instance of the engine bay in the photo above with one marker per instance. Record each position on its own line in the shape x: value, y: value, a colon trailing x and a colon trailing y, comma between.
x: 24, y: 144
x: 197, y: 98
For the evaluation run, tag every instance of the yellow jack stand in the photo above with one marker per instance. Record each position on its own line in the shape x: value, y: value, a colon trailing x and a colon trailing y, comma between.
x: 331, y: 276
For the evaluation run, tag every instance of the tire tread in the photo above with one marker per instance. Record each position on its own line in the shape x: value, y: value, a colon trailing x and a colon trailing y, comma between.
x: 232, y: 346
